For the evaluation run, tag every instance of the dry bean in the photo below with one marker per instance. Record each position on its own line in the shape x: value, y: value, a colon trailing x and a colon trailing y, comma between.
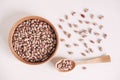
x: 104, y: 35
x: 85, y: 10
x: 61, y: 20
x: 75, y: 44
x: 68, y: 45
x: 82, y: 15
x: 73, y: 13
x: 80, y: 21
x: 66, y: 17
x: 100, y: 27
x: 83, y: 54
x: 62, y: 39
x: 100, y: 17
x: 70, y: 25
x: 91, y: 16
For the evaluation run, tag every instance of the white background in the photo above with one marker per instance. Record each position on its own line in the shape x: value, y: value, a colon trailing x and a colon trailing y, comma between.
x: 13, y: 69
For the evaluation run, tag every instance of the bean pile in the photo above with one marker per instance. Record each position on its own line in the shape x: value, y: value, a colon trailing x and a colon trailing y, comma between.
x: 65, y: 65
x: 82, y: 29
x: 83, y: 33
x: 34, y: 40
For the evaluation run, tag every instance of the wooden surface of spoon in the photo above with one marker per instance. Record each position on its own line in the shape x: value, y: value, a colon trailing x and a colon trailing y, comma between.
x: 101, y: 59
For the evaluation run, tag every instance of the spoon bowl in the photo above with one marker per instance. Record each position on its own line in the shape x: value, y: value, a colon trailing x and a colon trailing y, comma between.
x: 65, y: 65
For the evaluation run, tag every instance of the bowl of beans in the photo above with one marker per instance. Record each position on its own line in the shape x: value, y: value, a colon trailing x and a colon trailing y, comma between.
x: 33, y: 40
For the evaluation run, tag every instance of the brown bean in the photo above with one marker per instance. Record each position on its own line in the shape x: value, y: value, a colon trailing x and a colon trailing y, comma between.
x: 100, y: 17
x: 91, y: 50
x: 80, y: 39
x: 66, y: 17
x: 65, y: 32
x: 90, y: 30
x: 73, y: 13
x: 84, y: 67
x: 60, y: 26
x: 92, y: 41
x: 62, y: 39
x: 75, y: 25
x: 80, y: 21
x: 91, y: 16
x: 70, y: 52
x: 82, y: 31
x: 94, y: 23
x: 82, y: 15
x: 61, y: 20
x: 100, y: 48
x: 96, y: 33
x: 85, y: 44
x: 99, y: 40
x: 75, y: 44
x: 68, y: 45
x: 70, y: 25
x: 69, y: 35
x: 87, y: 51
x: 100, y: 27
x: 104, y: 35
x: 83, y: 54
x: 87, y: 22
x: 84, y: 36
x: 76, y: 31
x: 85, y: 9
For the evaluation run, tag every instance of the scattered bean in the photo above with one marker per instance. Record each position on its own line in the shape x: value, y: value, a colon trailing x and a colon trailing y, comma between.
x: 84, y: 67
x: 60, y: 26
x: 100, y: 17
x: 75, y: 44
x: 92, y: 41
x: 91, y: 50
x: 100, y: 48
x: 96, y: 33
x: 94, y: 23
x: 87, y: 22
x: 68, y: 45
x: 66, y: 17
x: 100, y: 27
x: 99, y: 40
x: 70, y: 25
x: 104, y: 35
x: 85, y: 10
x: 70, y: 52
x: 85, y: 44
x: 69, y: 35
x: 83, y: 54
x: 91, y: 16
x: 73, y: 13
x: 90, y: 30
x: 75, y: 25
x: 62, y: 39
x: 80, y: 21
x: 82, y: 15
x: 80, y: 39
x: 61, y: 20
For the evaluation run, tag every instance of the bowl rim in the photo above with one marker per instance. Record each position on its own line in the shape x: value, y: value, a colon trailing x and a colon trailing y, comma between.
x: 16, y: 25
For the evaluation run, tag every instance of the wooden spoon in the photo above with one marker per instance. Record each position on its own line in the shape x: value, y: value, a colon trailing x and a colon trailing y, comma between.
x: 65, y: 65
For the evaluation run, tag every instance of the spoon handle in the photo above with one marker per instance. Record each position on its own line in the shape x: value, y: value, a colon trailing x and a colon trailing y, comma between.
x: 101, y: 59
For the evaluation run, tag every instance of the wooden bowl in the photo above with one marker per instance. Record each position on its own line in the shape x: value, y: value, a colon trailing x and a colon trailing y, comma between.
x: 16, y: 25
